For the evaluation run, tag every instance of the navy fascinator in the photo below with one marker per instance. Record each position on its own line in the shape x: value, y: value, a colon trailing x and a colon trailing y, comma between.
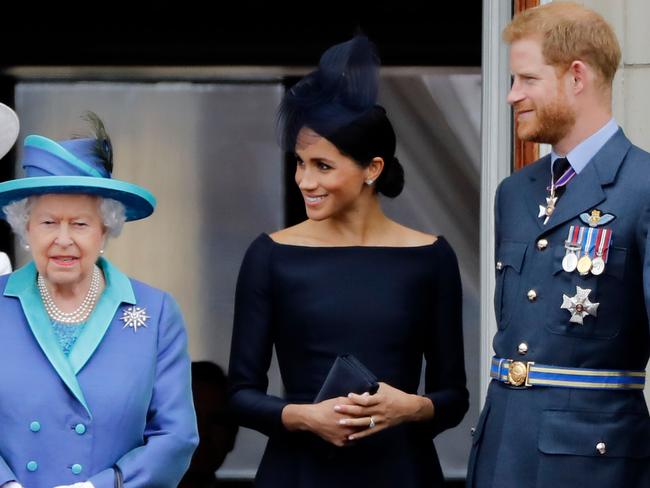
x: 343, y: 89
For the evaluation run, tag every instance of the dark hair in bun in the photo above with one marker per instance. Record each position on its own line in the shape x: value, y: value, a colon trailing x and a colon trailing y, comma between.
x: 368, y: 137
x: 338, y: 101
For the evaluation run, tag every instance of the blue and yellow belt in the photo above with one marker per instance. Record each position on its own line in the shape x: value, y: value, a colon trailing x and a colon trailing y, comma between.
x: 526, y: 374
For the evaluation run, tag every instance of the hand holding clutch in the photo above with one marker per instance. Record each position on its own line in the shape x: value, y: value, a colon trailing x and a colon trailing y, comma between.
x: 347, y: 375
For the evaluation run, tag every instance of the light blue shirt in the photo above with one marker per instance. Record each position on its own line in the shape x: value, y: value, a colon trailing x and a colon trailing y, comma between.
x: 580, y: 155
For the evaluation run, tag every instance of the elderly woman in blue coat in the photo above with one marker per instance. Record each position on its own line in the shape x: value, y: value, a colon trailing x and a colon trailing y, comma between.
x: 95, y: 379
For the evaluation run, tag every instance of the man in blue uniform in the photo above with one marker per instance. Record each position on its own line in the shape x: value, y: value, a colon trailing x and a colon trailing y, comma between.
x: 565, y: 407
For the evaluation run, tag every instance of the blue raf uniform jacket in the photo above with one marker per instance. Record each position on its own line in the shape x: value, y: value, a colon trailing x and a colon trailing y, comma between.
x: 567, y: 437
x: 122, y: 396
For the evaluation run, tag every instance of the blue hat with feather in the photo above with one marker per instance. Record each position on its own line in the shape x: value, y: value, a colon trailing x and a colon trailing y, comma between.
x: 75, y: 166
x: 342, y: 90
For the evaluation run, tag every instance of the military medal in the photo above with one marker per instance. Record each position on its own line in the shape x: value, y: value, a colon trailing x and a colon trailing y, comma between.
x: 587, y: 248
x: 585, y: 263
x: 572, y: 245
x: 547, y: 210
x: 597, y: 266
x: 603, y: 241
x: 570, y: 262
x: 579, y: 305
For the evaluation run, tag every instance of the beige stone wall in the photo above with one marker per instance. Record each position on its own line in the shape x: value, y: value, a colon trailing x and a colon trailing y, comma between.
x: 630, y: 19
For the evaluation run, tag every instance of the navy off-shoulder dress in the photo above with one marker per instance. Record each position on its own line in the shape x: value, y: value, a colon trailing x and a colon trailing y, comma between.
x: 388, y: 306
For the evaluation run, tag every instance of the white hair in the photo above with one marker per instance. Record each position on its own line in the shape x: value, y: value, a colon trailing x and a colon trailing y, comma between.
x: 113, y: 215
x: 17, y: 213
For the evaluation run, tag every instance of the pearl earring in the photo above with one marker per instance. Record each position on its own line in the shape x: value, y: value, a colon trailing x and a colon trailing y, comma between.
x: 26, y: 246
x: 369, y: 182
x: 101, y: 251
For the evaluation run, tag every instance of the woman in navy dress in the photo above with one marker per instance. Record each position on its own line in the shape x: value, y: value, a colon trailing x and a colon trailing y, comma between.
x: 347, y: 280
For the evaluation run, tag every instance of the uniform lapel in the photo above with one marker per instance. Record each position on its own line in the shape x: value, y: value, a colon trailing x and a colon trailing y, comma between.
x: 22, y: 284
x: 535, y: 195
x: 118, y: 290
x: 586, y: 190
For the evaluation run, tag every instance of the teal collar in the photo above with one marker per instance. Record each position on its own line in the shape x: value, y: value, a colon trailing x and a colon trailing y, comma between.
x: 22, y: 284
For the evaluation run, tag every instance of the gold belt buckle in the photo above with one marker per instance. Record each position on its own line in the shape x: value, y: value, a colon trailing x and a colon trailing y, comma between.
x: 518, y: 373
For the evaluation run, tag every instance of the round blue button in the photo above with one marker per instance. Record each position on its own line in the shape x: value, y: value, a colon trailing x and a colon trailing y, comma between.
x: 32, y: 466
x: 35, y: 426
x: 76, y: 468
x: 80, y: 429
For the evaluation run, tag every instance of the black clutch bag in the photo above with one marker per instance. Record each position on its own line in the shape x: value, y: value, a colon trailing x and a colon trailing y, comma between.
x: 347, y: 375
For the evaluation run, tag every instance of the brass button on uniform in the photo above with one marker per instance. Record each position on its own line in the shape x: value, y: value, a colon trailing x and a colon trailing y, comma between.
x: 532, y: 295
x: 542, y: 244
x: 522, y: 348
x: 601, y: 447
x: 499, y: 265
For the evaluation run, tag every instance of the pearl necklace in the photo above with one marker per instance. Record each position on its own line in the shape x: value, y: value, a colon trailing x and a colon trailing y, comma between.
x: 82, y: 312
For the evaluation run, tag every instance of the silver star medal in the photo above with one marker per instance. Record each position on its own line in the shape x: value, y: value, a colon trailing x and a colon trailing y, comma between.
x: 134, y: 317
x: 579, y: 305
x: 546, y: 211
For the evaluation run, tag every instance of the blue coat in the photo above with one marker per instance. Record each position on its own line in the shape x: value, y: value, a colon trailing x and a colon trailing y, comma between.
x: 547, y: 436
x: 122, y: 396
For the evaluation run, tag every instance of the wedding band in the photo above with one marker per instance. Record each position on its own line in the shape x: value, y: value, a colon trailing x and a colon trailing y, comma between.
x: 372, y: 424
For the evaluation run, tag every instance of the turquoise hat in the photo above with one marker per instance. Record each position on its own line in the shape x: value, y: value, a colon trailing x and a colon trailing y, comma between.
x: 73, y: 166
